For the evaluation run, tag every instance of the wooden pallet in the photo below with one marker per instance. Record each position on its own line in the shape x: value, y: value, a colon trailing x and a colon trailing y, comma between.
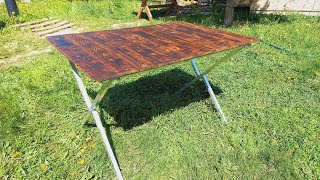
x: 46, y: 26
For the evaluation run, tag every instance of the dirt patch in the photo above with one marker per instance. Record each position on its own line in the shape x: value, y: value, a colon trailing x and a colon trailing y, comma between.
x: 20, y: 57
x: 137, y: 23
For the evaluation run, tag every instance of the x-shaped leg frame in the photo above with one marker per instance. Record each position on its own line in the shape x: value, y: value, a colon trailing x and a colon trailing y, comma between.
x: 206, y: 81
x: 92, y: 107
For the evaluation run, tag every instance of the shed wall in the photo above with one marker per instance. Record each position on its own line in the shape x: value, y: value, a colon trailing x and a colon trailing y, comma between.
x: 308, y: 7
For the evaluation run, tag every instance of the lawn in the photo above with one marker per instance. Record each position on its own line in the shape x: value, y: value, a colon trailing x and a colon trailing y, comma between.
x: 271, y: 99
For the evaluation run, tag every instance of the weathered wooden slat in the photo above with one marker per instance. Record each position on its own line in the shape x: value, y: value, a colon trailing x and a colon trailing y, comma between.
x: 159, y: 5
x: 46, y: 23
x: 51, y: 26
x: 55, y: 29
x: 31, y: 23
x: 104, y: 55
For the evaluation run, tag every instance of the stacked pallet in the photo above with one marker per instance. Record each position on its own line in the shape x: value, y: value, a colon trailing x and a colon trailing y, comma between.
x: 47, y: 26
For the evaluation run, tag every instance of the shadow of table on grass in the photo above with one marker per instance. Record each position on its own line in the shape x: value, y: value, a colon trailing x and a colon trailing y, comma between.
x: 135, y: 103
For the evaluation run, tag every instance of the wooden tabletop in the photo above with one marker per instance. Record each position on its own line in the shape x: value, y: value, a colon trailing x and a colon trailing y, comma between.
x: 108, y: 54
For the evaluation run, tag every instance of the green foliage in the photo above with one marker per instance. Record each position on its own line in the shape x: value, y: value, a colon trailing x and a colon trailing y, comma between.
x: 271, y: 99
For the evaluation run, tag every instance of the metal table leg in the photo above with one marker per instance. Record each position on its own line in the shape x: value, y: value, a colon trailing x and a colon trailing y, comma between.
x: 92, y: 108
x: 233, y: 52
x: 206, y: 81
x: 213, y: 97
x: 95, y: 104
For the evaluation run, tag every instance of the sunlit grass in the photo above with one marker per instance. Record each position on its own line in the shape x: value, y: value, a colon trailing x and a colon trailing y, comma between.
x: 271, y: 99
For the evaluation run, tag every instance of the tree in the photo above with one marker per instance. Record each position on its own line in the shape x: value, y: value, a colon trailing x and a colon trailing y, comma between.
x: 228, y: 17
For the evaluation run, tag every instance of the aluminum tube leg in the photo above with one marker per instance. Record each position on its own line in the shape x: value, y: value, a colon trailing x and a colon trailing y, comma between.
x: 98, y: 122
x: 107, y: 144
x: 209, y: 88
x: 233, y: 52
x: 104, y: 88
x: 95, y: 104
x: 81, y: 86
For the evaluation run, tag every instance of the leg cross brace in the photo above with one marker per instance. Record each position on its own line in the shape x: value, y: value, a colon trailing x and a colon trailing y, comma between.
x: 206, y: 81
x: 92, y: 109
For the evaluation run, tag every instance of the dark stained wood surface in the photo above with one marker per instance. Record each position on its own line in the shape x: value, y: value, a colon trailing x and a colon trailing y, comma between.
x: 104, y: 55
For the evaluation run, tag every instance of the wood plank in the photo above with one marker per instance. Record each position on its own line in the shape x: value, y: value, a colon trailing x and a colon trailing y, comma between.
x: 50, y: 26
x: 32, y: 22
x: 46, y: 23
x: 104, y: 55
x: 159, y: 5
x: 55, y: 29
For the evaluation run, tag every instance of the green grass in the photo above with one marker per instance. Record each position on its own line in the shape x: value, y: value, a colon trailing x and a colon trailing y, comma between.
x: 271, y: 99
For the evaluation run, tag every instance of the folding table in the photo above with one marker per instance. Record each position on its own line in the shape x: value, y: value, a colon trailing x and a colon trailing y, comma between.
x: 146, y: 7
x: 107, y: 55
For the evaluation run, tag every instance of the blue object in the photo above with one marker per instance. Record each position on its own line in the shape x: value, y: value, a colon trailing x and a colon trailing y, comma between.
x: 12, y: 7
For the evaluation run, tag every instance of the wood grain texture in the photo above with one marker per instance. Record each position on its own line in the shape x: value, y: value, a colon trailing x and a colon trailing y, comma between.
x: 104, y: 55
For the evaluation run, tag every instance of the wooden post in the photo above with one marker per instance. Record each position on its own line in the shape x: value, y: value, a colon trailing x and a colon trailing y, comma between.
x: 228, y: 17
x: 171, y: 6
x: 145, y: 7
x: 12, y: 7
